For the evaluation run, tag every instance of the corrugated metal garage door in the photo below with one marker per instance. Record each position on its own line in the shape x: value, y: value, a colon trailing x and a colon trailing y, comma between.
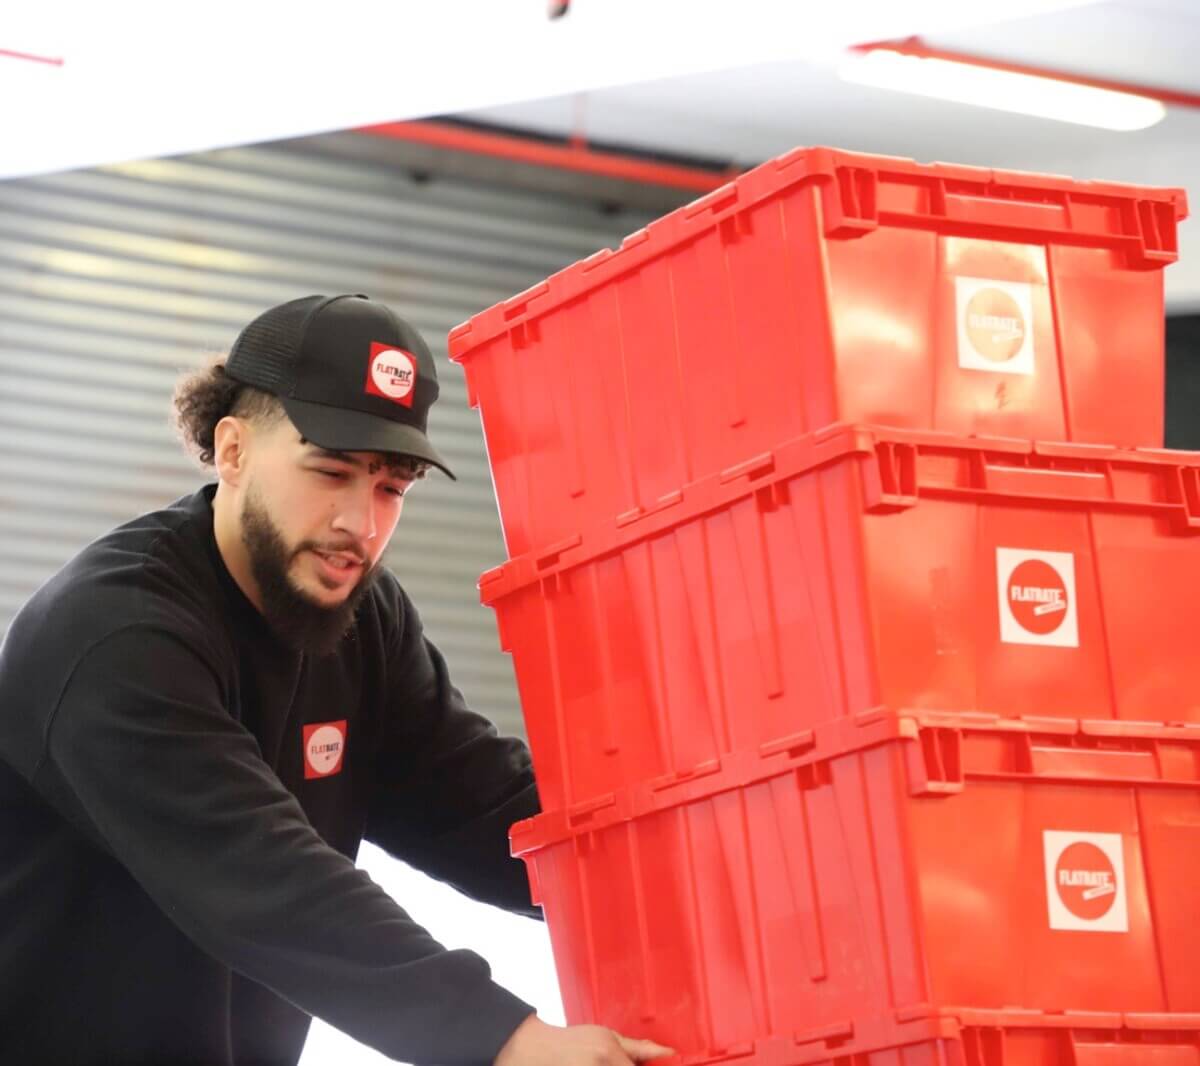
x: 114, y: 280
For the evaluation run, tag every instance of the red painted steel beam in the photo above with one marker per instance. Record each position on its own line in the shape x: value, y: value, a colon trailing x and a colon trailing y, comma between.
x: 6, y: 53
x: 914, y: 46
x: 574, y: 156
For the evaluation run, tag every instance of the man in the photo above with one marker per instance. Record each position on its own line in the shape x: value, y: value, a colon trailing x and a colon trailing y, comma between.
x: 205, y: 712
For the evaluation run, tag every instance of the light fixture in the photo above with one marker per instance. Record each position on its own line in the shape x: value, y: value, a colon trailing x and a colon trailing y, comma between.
x: 909, y: 67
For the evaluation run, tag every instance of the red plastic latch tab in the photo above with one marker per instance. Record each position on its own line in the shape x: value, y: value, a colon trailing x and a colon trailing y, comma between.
x: 850, y: 202
x: 1187, y: 490
x: 935, y: 764
x: 1154, y: 224
x: 890, y: 482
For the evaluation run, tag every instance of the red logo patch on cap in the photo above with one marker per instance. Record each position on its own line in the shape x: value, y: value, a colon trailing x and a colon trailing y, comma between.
x: 392, y: 374
x: 324, y: 748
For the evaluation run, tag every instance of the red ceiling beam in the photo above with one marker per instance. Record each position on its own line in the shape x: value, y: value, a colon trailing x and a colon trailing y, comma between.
x: 914, y: 46
x: 6, y: 53
x: 574, y: 156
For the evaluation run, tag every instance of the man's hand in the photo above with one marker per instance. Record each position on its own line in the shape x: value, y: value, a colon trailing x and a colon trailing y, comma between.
x: 534, y: 1043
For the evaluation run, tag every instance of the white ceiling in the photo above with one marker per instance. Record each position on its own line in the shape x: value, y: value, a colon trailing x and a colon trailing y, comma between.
x: 752, y: 113
x: 128, y: 79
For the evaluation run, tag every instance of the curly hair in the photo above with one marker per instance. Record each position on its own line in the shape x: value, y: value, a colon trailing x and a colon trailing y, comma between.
x: 203, y: 397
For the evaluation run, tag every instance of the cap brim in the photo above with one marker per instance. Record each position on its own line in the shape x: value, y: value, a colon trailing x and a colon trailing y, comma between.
x: 341, y: 430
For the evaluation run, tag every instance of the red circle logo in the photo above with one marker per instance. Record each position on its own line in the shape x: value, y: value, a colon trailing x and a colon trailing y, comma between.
x: 1086, y: 881
x: 394, y: 372
x: 1037, y: 597
x: 995, y: 325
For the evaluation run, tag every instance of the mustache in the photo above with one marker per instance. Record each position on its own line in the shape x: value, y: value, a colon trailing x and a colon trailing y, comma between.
x: 349, y: 548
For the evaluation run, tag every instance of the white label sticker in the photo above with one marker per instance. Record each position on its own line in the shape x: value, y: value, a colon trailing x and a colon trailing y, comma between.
x: 995, y: 325
x: 1085, y: 881
x: 1036, y: 590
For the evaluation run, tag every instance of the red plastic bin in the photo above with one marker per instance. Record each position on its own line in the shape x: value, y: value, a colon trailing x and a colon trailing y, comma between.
x: 895, y: 888
x: 822, y: 287
x: 850, y: 569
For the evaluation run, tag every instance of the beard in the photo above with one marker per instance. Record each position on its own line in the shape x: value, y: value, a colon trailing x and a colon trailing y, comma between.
x: 297, y: 619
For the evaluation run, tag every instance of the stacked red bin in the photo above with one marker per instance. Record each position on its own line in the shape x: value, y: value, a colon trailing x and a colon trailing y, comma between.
x: 864, y: 719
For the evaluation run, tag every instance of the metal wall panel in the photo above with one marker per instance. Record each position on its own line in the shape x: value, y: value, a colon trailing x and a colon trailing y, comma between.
x: 113, y: 281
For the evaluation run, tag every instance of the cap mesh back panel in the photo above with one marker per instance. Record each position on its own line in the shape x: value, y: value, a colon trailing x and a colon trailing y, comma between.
x: 264, y: 352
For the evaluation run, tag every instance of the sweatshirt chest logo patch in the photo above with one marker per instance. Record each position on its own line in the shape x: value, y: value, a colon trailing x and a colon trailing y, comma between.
x: 324, y: 748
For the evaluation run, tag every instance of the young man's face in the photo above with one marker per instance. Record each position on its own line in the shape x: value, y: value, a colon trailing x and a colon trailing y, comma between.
x: 315, y: 525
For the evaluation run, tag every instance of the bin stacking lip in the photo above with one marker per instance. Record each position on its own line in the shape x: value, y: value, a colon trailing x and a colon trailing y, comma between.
x: 995, y: 204
x: 944, y: 750
x: 900, y: 466
x: 1113, y: 1038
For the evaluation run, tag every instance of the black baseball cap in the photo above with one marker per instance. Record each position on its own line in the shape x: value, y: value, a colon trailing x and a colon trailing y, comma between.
x: 351, y: 374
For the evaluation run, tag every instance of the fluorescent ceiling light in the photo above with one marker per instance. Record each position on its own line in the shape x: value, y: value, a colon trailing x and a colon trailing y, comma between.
x: 1003, y: 90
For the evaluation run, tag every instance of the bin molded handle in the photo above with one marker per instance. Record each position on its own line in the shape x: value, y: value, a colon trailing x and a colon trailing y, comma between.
x: 857, y: 200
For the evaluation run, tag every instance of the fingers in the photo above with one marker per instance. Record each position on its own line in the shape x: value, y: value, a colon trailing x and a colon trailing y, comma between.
x: 642, y: 1050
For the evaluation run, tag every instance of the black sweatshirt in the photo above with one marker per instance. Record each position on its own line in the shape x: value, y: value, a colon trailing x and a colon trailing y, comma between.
x: 177, y: 881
